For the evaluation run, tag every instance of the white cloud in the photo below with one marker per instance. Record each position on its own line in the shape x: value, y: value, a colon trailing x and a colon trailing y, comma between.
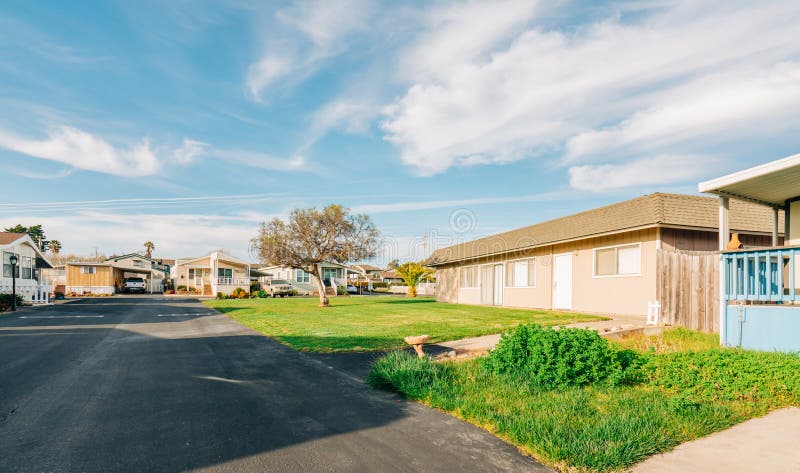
x: 665, y: 169
x: 266, y: 71
x: 82, y: 150
x: 262, y: 160
x: 678, y: 74
x: 316, y: 30
x: 189, y: 151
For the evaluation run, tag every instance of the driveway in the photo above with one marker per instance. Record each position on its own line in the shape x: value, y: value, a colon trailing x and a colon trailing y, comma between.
x: 165, y: 384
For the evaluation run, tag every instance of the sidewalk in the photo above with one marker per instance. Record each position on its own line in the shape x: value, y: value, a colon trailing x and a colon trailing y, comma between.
x: 765, y: 444
x: 487, y: 342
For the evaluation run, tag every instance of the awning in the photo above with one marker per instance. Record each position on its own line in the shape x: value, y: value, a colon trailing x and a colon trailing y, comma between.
x: 770, y: 184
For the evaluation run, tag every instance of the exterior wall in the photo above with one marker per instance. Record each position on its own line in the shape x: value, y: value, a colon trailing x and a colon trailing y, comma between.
x: 25, y: 287
x: 697, y: 240
x: 794, y: 223
x: 447, y: 284
x: 627, y: 295
x: 102, y: 282
x: 763, y: 327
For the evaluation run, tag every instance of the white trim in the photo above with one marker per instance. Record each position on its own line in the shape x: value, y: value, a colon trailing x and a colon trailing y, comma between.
x: 626, y: 275
x: 505, y: 273
x: 715, y: 185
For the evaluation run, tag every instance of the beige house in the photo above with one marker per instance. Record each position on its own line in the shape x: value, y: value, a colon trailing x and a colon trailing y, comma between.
x: 599, y: 261
x: 211, y: 274
x: 333, y: 276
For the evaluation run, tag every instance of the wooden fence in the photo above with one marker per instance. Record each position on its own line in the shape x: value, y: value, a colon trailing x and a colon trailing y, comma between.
x: 688, y: 289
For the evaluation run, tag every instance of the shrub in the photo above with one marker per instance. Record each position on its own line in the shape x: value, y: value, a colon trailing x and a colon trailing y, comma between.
x: 342, y: 291
x: 549, y: 358
x: 222, y: 295
x: 181, y: 288
x: 239, y: 293
x: 6, y: 299
x: 261, y: 294
x: 728, y: 375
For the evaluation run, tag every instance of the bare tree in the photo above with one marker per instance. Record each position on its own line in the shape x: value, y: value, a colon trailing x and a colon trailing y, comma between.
x: 310, y: 237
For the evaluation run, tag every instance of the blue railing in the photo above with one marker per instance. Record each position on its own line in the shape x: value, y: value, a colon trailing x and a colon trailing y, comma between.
x: 761, y: 275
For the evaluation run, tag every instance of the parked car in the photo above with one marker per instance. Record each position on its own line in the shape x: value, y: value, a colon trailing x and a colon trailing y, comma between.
x: 133, y: 285
x: 352, y: 289
x: 279, y: 287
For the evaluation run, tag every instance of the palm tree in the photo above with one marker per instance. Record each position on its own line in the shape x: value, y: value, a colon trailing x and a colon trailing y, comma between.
x: 55, y: 246
x: 412, y: 274
x: 149, y: 246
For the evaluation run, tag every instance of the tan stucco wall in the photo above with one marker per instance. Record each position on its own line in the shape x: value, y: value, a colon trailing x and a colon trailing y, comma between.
x: 794, y: 223
x: 613, y: 295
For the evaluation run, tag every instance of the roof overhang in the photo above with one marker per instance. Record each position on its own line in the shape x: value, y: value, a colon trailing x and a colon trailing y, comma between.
x: 770, y: 184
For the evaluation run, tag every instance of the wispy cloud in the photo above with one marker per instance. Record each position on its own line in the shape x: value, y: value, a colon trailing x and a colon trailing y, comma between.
x: 313, y: 31
x: 643, y: 172
x: 671, y: 79
x: 83, y: 150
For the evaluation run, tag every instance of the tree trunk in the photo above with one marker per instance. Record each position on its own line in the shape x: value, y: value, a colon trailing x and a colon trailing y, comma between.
x: 323, y: 298
x: 412, y: 291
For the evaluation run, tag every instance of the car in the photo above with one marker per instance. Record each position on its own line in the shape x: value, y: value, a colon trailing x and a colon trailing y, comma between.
x: 133, y: 285
x: 279, y: 287
x: 352, y: 289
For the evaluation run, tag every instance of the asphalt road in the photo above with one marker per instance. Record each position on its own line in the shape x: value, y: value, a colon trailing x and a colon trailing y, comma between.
x: 164, y: 384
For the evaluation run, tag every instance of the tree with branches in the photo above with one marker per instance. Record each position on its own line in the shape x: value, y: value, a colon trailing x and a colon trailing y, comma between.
x: 412, y: 274
x: 55, y: 247
x: 310, y: 237
x: 36, y: 232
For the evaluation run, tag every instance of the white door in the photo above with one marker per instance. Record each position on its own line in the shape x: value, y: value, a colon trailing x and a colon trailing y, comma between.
x: 498, y: 284
x: 562, y: 281
x: 487, y: 285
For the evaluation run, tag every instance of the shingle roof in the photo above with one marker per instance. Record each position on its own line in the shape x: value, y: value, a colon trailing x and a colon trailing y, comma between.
x: 647, y: 211
x: 9, y: 237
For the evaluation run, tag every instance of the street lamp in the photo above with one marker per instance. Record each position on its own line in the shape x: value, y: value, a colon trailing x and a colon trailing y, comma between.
x: 13, y: 261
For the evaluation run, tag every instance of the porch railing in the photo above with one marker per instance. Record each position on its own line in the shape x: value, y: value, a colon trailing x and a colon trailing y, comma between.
x: 762, y: 275
x: 230, y: 281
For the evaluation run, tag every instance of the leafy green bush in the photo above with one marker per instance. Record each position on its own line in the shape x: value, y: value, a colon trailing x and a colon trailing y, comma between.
x: 180, y: 288
x: 261, y: 294
x: 550, y: 358
x: 222, y: 295
x: 239, y: 293
x: 728, y: 375
x: 6, y: 300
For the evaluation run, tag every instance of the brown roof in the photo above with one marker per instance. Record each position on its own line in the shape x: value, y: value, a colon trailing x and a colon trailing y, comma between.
x: 8, y: 237
x: 651, y: 210
x: 368, y: 267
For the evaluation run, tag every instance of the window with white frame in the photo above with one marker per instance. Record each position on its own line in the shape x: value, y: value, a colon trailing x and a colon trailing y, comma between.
x: 137, y: 263
x: 88, y: 269
x: 7, y: 265
x: 302, y: 276
x: 521, y: 273
x: 27, y: 267
x: 469, y: 276
x: 623, y: 260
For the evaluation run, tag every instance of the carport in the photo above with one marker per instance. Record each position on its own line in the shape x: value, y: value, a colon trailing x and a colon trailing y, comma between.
x: 120, y: 274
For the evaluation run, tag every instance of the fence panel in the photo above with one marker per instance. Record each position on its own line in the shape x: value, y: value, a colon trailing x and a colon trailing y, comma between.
x: 688, y: 289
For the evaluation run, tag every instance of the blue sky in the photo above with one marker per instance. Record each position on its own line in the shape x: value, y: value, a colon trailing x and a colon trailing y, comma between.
x: 189, y: 122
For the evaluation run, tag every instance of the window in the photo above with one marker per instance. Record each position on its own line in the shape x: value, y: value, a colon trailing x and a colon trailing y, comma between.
x: 195, y: 273
x: 88, y: 269
x: 225, y: 272
x: 521, y: 273
x: 302, y: 276
x: 7, y: 265
x: 27, y: 267
x: 137, y: 263
x: 618, y: 261
x: 469, y: 276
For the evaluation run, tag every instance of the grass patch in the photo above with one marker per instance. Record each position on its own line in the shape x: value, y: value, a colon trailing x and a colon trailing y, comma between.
x: 377, y: 323
x: 682, y: 395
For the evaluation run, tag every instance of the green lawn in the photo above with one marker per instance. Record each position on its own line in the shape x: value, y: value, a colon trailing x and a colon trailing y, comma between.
x: 377, y: 323
x: 690, y: 388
